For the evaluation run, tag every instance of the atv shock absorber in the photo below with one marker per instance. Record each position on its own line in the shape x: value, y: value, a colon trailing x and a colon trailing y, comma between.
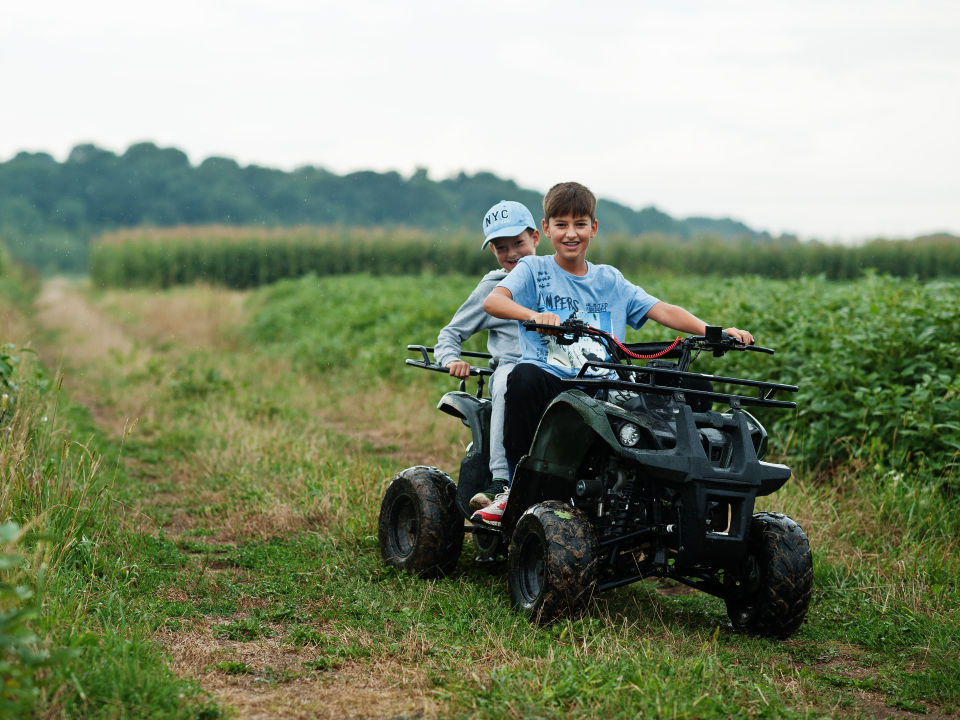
x: 620, y: 498
x: 623, y: 492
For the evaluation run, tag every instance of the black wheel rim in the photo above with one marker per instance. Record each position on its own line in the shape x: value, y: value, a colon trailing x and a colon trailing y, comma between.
x: 532, y: 571
x: 403, y: 526
x: 743, y: 608
x: 742, y: 613
x: 486, y: 542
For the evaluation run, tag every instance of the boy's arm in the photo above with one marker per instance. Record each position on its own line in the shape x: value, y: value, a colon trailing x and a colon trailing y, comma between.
x: 467, y: 321
x: 677, y: 318
x: 500, y: 303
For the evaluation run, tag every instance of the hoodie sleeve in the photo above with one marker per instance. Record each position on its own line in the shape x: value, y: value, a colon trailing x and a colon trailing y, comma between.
x: 470, y: 319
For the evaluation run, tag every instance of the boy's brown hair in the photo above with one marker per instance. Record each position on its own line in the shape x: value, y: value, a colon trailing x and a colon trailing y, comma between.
x: 569, y: 198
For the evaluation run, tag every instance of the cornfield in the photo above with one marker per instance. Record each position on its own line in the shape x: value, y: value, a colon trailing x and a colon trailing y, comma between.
x: 240, y: 257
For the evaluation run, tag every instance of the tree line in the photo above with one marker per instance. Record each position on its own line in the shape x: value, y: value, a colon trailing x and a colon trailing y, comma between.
x: 50, y: 209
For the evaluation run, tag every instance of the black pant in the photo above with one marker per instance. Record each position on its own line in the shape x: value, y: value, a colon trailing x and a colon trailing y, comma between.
x: 529, y: 391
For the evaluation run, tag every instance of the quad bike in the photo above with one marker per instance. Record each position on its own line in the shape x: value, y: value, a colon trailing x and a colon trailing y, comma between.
x: 630, y: 475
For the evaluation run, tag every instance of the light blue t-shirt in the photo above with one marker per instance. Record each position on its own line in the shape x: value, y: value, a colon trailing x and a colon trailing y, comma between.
x: 602, y: 298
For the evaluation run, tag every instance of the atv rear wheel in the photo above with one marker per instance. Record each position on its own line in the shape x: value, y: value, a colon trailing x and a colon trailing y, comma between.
x: 771, y: 588
x: 420, y: 527
x: 552, y: 562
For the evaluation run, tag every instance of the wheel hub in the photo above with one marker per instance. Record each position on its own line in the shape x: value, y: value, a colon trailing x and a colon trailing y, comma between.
x: 404, y: 527
x: 532, y: 569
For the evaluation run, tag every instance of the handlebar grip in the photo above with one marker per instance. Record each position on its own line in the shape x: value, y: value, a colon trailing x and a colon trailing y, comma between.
x: 736, y: 343
x: 531, y: 325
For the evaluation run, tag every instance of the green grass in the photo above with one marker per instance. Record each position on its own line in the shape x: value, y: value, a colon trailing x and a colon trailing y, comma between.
x: 92, y: 662
x: 241, y: 515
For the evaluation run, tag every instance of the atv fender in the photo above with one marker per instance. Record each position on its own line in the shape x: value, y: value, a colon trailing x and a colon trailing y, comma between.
x: 475, y: 466
x: 561, y: 440
x: 474, y: 413
x: 570, y: 425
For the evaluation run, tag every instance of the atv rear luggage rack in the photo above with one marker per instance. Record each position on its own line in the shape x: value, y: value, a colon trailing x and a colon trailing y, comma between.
x: 428, y: 364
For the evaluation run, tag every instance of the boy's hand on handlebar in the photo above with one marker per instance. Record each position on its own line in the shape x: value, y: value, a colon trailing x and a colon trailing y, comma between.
x: 459, y: 369
x: 546, y: 318
x: 741, y: 335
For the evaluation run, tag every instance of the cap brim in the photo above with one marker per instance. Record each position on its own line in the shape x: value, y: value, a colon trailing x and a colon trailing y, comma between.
x: 511, y: 231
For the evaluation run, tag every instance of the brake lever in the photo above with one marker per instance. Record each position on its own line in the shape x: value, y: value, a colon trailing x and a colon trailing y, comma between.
x: 741, y: 346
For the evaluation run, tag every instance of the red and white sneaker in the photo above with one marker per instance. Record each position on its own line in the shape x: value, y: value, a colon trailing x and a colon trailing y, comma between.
x: 492, y: 513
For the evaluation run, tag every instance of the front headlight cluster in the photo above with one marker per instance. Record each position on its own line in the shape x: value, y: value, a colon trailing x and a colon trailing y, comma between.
x: 629, y: 434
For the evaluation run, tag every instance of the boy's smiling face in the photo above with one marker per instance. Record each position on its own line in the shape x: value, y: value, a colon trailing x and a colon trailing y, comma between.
x: 509, y: 250
x: 570, y: 236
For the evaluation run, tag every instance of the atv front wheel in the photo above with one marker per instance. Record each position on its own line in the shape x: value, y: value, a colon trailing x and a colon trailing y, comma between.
x: 420, y: 527
x: 552, y: 562
x: 770, y: 590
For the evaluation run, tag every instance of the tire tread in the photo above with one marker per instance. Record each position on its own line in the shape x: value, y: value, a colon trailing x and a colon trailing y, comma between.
x: 571, y: 561
x: 441, y: 528
x: 786, y: 584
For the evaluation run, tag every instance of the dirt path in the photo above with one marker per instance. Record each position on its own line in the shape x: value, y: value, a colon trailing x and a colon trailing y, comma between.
x: 87, y: 343
x: 83, y: 333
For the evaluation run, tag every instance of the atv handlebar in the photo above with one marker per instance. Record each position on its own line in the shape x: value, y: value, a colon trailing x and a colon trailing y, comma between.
x: 726, y: 343
x: 571, y: 330
x: 685, y: 350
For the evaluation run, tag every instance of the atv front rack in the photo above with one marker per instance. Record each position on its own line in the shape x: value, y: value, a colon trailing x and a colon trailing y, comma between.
x: 630, y: 378
x: 428, y: 364
x: 643, y: 379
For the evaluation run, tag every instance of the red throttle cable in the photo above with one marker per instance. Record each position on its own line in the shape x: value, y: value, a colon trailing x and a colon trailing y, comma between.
x: 620, y: 345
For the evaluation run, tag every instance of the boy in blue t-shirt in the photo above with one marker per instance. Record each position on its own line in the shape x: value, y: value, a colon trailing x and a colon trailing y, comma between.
x: 547, y: 289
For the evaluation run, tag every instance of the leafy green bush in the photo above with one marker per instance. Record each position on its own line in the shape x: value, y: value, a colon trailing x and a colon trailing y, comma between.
x: 877, y: 360
x: 9, y: 365
x: 54, y: 494
x: 357, y: 323
x: 22, y: 656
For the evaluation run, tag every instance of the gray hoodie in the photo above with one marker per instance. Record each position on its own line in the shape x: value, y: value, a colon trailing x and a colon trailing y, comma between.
x: 503, y: 342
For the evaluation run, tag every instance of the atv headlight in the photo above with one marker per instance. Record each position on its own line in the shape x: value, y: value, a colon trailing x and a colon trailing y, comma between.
x: 629, y: 434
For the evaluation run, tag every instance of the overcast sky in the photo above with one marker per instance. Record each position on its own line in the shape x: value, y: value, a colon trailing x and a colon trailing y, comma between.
x: 836, y: 120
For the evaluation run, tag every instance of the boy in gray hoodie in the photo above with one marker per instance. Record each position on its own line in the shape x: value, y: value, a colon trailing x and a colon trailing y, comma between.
x: 510, y: 231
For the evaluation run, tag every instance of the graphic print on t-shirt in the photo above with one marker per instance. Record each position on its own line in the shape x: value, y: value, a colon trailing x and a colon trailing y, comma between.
x: 585, y: 349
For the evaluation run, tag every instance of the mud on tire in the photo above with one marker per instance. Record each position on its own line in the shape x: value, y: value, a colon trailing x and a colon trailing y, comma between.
x: 777, y: 574
x: 552, y: 565
x: 420, y: 528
